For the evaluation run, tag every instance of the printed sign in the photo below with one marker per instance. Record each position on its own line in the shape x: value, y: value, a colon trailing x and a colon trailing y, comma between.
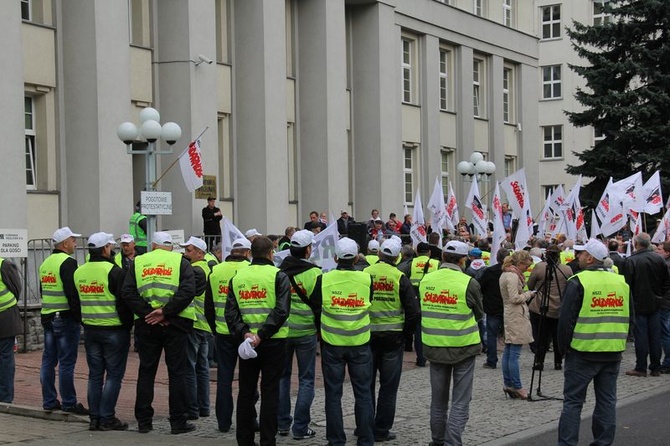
x: 13, y: 243
x: 156, y: 203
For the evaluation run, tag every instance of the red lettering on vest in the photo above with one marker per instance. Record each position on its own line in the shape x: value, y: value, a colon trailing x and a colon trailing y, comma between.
x: 49, y: 278
x: 611, y: 301
x: 158, y: 270
x: 383, y: 285
x: 254, y: 293
x: 351, y: 301
x: 442, y: 298
x: 92, y: 288
x: 223, y: 289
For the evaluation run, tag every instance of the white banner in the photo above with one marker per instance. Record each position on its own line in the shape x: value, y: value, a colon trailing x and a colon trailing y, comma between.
x: 190, y: 163
x: 229, y: 233
x: 323, y: 249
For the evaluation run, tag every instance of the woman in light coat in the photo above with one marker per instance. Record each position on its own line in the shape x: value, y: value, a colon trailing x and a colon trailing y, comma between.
x: 518, y: 330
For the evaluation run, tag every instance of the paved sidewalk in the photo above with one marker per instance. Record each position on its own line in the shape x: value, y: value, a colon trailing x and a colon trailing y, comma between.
x: 494, y: 420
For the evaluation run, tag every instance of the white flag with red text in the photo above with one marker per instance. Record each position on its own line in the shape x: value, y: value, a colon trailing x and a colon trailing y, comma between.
x: 652, y: 194
x: 474, y: 202
x: 515, y: 189
x: 190, y: 162
x: 498, y: 225
x: 418, y: 229
x: 603, y: 207
x: 452, y: 210
x: 437, y: 207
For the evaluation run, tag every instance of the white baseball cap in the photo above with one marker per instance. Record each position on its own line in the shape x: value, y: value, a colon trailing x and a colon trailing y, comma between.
x: 127, y: 238
x: 391, y: 247
x: 100, y: 240
x: 252, y: 233
x: 456, y: 247
x: 346, y: 248
x: 195, y: 241
x: 373, y: 246
x: 63, y: 234
x: 162, y: 238
x: 246, y: 350
x: 241, y: 243
x: 302, y: 238
x: 594, y: 247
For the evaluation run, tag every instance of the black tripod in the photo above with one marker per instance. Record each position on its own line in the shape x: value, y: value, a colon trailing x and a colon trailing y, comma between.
x: 541, y: 342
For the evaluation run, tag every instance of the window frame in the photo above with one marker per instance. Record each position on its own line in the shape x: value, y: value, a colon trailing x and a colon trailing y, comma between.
x: 444, y: 70
x: 552, y: 83
x: 600, y: 18
x: 508, y: 95
x: 552, y: 24
x: 447, y: 157
x: 27, y: 7
x: 478, y: 8
x: 478, y: 88
x: 407, y: 69
x: 552, y: 143
x: 508, y: 13
x: 30, y: 146
x: 409, y: 155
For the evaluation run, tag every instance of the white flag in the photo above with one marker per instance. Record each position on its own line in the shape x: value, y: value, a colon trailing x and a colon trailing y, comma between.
x: 515, y: 189
x: 475, y: 204
x: 595, y: 229
x: 603, y: 207
x: 545, y: 216
x: 437, y: 207
x: 418, y: 230
x: 629, y: 190
x: 228, y: 236
x: 663, y: 229
x: 190, y: 162
x: 615, y: 219
x: 498, y: 226
x: 570, y: 210
x: 452, y: 210
x: 652, y: 194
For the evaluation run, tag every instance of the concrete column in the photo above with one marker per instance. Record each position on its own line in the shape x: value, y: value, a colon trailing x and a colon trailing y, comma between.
x: 13, y: 166
x: 377, y: 122
x: 529, y: 136
x: 496, y: 124
x: 431, y: 155
x: 260, y: 104
x: 96, y: 94
x: 465, y: 109
x: 322, y: 64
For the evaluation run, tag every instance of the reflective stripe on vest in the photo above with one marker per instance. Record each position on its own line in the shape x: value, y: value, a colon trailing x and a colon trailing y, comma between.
x: 345, y: 314
x: 157, y: 279
x: 53, y: 293
x: 199, y: 300
x: 98, y: 304
x: 136, y: 231
x: 219, y: 280
x: 254, y: 288
x: 300, y: 320
x: 418, y: 266
x: 602, y: 324
x: 446, y: 319
x: 386, y: 313
x: 7, y: 298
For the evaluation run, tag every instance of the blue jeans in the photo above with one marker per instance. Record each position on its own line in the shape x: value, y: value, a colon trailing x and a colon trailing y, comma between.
x: 665, y: 336
x: 578, y: 375
x: 418, y: 345
x: 106, y: 351
x: 493, y: 325
x: 7, y: 369
x: 226, y: 359
x: 197, y: 378
x: 305, y: 352
x: 510, y: 366
x: 358, y: 361
x: 448, y: 428
x: 388, y: 361
x: 647, y: 332
x: 61, y: 340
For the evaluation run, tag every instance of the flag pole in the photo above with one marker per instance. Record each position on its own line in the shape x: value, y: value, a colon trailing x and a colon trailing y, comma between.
x: 177, y: 159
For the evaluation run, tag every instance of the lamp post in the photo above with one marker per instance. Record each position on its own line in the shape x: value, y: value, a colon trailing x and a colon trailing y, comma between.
x: 476, y: 166
x: 150, y: 131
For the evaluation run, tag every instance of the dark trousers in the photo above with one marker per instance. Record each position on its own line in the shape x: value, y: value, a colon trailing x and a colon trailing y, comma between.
x: 549, y: 330
x: 387, y: 360
x: 153, y: 340
x: 270, y: 364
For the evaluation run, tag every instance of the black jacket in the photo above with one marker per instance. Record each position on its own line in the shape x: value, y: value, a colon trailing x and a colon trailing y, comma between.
x: 11, y: 323
x: 211, y: 224
x: 490, y: 285
x: 115, y: 280
x: 276, y: 317
x: 647, y: 275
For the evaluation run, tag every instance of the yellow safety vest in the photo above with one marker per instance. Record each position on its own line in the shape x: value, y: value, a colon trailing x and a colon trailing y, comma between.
x: 254, y: 288
x: 416, y: 271
x: 345, y: 313
x: 98, y: 304
x: 486, y: 257
x: 602, y: 324
x: 136, y: 231
x: 53, y: 293
x: 157, y: 279
x: 219, y: 280
x: 199, y: 300
x: 7, y: 298
x: 372, y: 259
x: 301, y: 317
x: 446, y: 319
x: 386, y: 312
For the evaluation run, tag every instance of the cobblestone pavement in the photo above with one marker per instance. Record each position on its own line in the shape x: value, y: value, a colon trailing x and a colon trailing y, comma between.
x: 494, y: 420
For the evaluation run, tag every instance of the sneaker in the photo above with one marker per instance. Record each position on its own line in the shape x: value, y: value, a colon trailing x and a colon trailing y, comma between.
x: 114, y: 425
x: 636, y: 373
x: 78, y: 409
x: 145, y: 428
x: 284, y: 432
x: 204, y: 413
x: 655, y: 373
x: 309, y: 433
x: 184, y: 428
x: 94, y: 425
x: 56, y: 406
x: 489, y: 366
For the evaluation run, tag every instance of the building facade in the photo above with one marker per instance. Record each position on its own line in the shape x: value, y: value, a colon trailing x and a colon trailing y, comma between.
x: 309, y: 104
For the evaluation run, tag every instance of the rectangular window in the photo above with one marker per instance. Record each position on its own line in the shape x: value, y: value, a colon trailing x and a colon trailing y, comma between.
x: 510, y: 165
x: 507, y: 13
x: 140, y: 23
x: 507, y: 98
x: 226, y: 163
x: 408, y: 173
x: 290, y: 33
x: 407, y: 78
x: 553, y: 141
x: 222, y: 9
x: 477, y: 7
x: 292, y: 154
x: 444, y: 80
x: 447, y: 160
x: 549, y: 189
x: 551, y: 82
x: 30, y: 142
x: 551, y: 22
x: 477, y: 88
x: 25, y: 10
x: 600, y: 17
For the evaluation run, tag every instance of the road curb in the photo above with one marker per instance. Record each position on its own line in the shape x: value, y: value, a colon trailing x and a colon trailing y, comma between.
x: 33, y: 412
